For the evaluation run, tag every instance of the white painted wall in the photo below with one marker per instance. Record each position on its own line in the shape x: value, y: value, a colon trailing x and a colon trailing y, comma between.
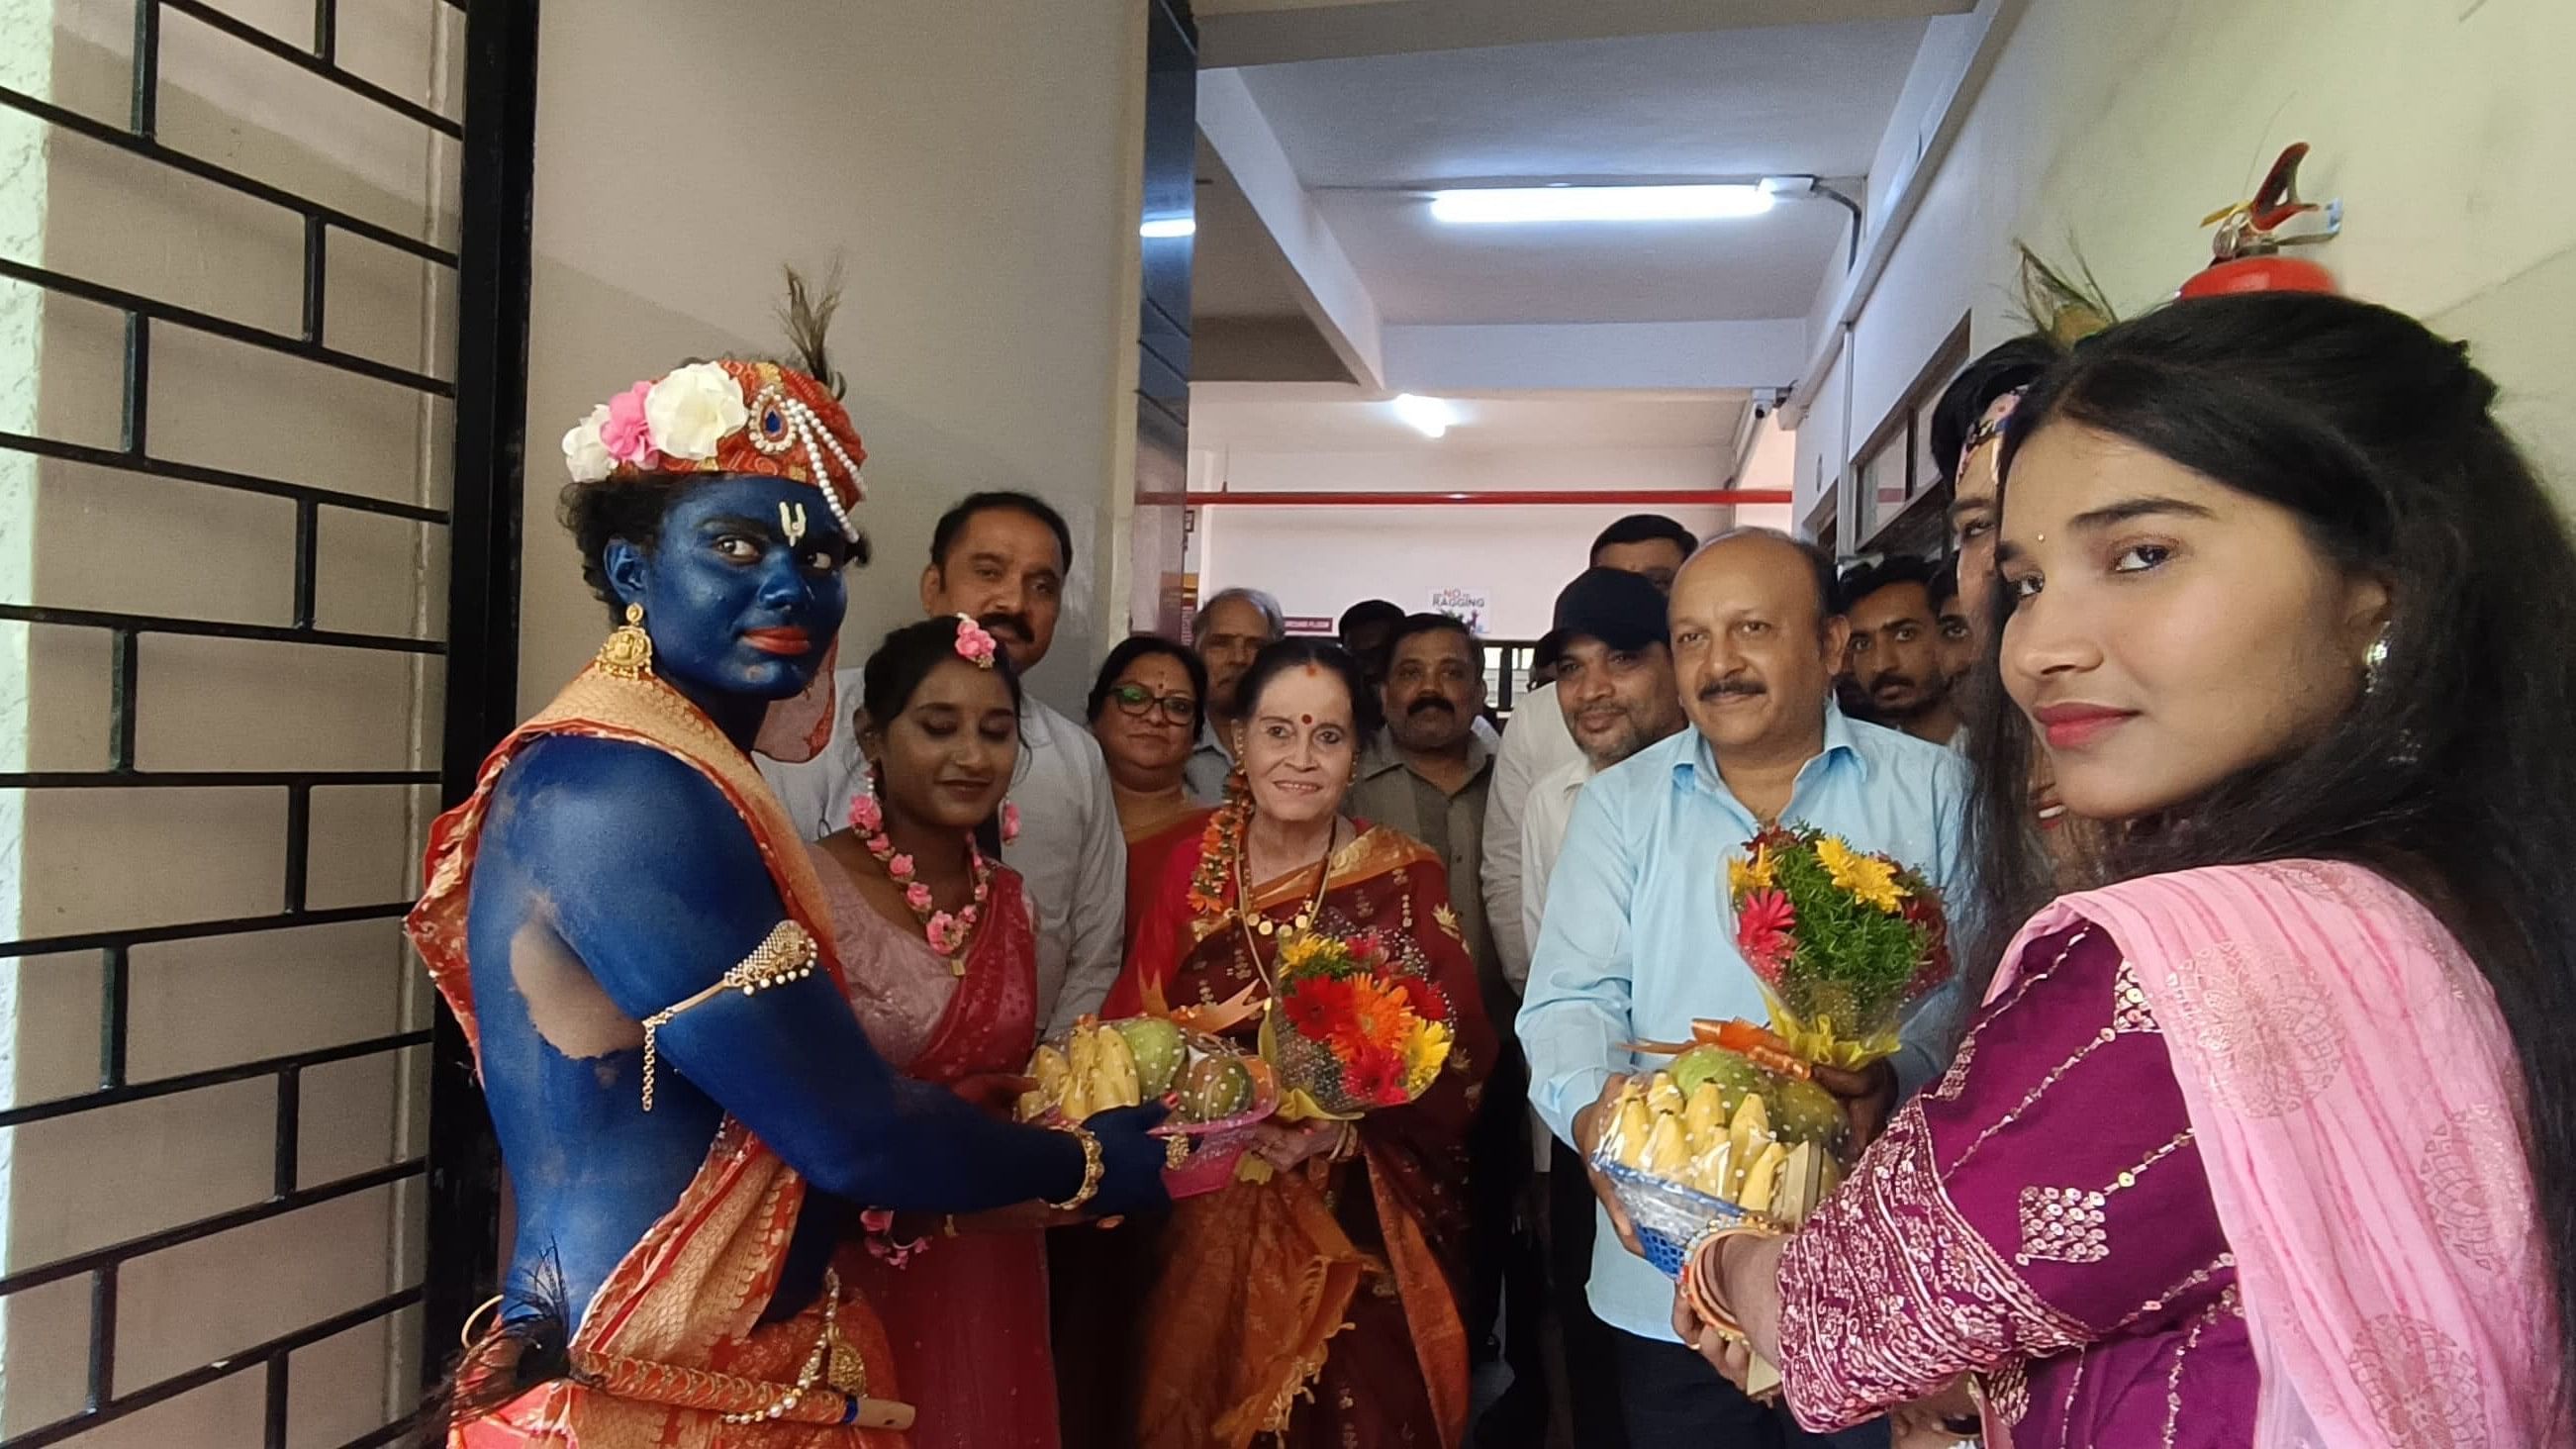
x: 1320, y: 561
x: 2108, y: 128
x: 971, y: 165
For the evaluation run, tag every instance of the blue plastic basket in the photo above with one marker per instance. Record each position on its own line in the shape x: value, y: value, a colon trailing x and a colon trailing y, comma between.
x: 1666, y: 1214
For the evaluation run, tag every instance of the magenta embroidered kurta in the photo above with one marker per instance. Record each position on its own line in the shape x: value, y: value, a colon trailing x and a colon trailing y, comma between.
x: 2230, y: 1157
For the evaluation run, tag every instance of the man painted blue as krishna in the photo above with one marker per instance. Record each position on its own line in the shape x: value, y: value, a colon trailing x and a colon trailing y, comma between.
x: 635, y: 940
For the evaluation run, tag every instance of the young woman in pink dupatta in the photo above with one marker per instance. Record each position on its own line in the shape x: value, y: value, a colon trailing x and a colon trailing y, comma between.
x: 2266, y: 1138
x: 933, y: 935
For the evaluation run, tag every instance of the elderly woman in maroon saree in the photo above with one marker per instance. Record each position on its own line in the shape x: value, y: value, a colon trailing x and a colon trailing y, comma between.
x: 1322, y: 1304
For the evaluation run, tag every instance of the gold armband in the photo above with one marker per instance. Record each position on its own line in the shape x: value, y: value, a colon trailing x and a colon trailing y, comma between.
x: 789, y: 954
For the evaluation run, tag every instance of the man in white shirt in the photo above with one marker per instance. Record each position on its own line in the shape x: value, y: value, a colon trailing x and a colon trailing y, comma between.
x: 1002, y: 558
x: 1617, y: 695
x: 1538, y: 743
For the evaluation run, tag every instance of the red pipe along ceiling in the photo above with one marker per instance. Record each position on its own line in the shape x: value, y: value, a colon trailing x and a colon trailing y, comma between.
x: 1526, y: 498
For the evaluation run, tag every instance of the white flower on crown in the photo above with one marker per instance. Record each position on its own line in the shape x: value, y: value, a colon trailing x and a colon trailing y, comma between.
x: 585, y: 456
x: 692, y: 410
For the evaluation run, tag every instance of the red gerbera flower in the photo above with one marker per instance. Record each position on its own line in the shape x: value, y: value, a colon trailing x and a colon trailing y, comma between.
x: 1375, y: 1075
x: 1427, y: 1000
x: 1318, y: 1007
x: 1762, y: 928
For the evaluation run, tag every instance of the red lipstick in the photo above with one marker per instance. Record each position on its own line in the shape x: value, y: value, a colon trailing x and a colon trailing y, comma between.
x: 786, y: 641
x: 2077, y: 726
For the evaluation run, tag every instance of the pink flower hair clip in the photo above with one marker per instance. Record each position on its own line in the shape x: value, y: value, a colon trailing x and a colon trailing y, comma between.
x: 973, y: 644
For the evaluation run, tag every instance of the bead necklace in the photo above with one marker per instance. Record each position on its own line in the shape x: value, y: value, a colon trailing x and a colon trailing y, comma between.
x: 947, y: 932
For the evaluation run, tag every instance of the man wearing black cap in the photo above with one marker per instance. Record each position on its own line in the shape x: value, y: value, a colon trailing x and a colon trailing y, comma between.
x: 1616, y: 690
x: 1614, y: 684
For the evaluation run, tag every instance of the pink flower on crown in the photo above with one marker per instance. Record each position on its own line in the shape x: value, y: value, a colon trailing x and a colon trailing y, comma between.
x: 1010, y: 822
x: 899, y: 867
x: 866, y: 816
x: 917, y: 896
x: 973, y: 644
x: 625, y: 434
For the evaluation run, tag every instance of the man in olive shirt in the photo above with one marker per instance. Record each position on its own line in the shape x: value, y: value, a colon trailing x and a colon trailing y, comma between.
x: 1427, y: 774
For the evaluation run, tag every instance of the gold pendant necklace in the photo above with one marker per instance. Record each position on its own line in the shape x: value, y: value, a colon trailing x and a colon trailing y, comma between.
x: 1251, y: 920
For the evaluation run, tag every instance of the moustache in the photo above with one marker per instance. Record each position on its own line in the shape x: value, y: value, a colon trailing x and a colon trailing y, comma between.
x: 1891, y: 680
x: 1000, y: 623
x: 1734, y: 684
x: 1431, y: 702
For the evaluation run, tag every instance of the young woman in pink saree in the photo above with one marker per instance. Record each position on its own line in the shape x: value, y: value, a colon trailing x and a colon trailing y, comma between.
x: 2266, y: 1138
x: 934, y: 938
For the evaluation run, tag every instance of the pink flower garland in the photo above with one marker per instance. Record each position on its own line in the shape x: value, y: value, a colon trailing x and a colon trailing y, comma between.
x: 947, y: 932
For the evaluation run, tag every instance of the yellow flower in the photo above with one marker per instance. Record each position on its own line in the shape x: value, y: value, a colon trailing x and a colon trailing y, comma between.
x: 1300, y: 950
x: 1743, y: 875
x: 1869, y: 880
x: 1426, y: 1046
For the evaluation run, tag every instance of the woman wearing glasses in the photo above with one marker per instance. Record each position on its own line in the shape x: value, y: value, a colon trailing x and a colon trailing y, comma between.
x: 1145, y: 711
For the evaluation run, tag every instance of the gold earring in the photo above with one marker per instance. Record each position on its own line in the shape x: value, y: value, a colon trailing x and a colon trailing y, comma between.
x: 627, y: 652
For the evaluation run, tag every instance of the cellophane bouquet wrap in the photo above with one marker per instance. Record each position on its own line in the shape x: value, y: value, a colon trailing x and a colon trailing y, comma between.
x: 1842, y: 940
x: 1348, y: 1030
x: 1217, y: 1094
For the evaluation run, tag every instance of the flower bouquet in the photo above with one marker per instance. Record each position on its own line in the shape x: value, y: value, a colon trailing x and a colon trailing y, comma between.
x: 1842, y: 941
x: 1348, y: 1030
x: 1217, y: 1094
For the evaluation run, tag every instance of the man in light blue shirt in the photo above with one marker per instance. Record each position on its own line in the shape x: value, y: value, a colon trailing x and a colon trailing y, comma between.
x: 1637, y: 938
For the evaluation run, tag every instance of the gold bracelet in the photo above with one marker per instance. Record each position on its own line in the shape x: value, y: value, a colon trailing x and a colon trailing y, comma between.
x: 1092, y: 1167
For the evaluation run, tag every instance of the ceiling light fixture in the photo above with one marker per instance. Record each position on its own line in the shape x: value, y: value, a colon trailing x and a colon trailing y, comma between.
x: 1505, y: 204
x: 1166, y: 227
x: 1428, y: 416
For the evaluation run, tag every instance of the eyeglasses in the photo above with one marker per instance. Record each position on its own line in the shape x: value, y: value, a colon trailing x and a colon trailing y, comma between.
x: 1137, y: 701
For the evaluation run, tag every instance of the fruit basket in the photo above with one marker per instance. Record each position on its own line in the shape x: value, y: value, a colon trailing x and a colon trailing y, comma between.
x: 1218, y: 1094
x: 1666, y: 1214
x: 1714, y: 1142
x: 1217, y: 1145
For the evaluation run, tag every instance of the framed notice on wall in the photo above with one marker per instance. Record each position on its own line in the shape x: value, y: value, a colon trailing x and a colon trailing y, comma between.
x: 1467, y: 606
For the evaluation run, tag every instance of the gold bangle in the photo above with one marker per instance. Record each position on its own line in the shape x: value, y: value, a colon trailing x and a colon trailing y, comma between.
x: 1702, y: 1288
x: 1092, y: 1167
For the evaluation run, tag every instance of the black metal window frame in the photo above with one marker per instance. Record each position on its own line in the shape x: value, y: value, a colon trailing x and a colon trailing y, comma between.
x: 491, y: 265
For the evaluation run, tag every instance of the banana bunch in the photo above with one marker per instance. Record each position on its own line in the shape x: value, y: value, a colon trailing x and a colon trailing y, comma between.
x: 1094, y: 1071
x: 1694, y: 1140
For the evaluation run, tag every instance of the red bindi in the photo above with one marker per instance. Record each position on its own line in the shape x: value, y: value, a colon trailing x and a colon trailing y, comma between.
x: 1305, y: 719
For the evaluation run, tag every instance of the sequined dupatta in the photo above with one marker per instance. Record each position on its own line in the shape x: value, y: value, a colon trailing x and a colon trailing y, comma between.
x: 674, y: 1330
x: 2358, y: 1104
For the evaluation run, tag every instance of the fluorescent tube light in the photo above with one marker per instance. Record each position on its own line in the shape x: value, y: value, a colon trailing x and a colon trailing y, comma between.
x: 1428, y: 416
x: 1599, y: 203
x: 1160, y: 227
